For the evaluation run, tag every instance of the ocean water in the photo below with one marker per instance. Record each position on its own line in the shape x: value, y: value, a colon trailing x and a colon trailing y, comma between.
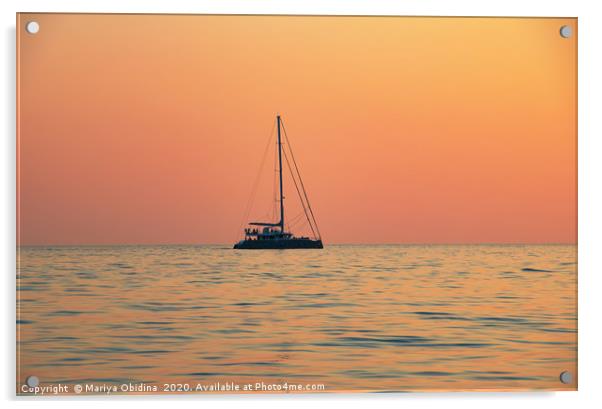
x: 347, y: 318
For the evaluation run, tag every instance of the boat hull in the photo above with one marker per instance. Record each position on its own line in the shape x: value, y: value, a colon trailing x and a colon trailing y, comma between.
x: 281, y: 244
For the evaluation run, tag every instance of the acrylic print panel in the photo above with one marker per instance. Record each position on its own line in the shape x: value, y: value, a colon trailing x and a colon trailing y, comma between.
x: 295, y: 204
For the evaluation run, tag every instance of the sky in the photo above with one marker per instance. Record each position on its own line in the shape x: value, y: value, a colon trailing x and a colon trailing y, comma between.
x: 151, y: 129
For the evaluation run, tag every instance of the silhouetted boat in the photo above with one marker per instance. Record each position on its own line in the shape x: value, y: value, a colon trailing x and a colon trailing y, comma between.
x: 270, y: 235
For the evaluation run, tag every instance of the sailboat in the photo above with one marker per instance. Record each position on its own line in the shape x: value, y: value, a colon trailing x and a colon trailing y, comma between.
x: 272, y: 235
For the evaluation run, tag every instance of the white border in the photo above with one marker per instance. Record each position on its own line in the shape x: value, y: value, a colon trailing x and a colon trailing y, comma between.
x: 590, y: 197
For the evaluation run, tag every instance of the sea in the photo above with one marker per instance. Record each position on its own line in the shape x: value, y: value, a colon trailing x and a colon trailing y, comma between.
x: 348, y: 318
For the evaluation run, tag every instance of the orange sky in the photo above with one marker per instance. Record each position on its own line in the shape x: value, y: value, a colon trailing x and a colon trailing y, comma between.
x: 150, y: 129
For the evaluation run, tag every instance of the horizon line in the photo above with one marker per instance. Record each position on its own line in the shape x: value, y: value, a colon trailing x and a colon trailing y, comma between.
x: 325, y: 244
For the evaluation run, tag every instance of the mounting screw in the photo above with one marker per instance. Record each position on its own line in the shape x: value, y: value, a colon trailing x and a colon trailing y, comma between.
x: 32, y: 27
x: 32, y: 381
x: 566, y: 377
x: 566, y: 31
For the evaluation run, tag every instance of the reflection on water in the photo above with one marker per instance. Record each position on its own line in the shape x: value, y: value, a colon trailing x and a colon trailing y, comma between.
x: 354, y: 318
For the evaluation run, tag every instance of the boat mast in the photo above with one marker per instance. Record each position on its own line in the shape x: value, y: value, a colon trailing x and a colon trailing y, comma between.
x: 280, y: 174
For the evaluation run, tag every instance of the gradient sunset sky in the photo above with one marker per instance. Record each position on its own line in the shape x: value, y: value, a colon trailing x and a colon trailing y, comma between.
x: 150, y: 129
